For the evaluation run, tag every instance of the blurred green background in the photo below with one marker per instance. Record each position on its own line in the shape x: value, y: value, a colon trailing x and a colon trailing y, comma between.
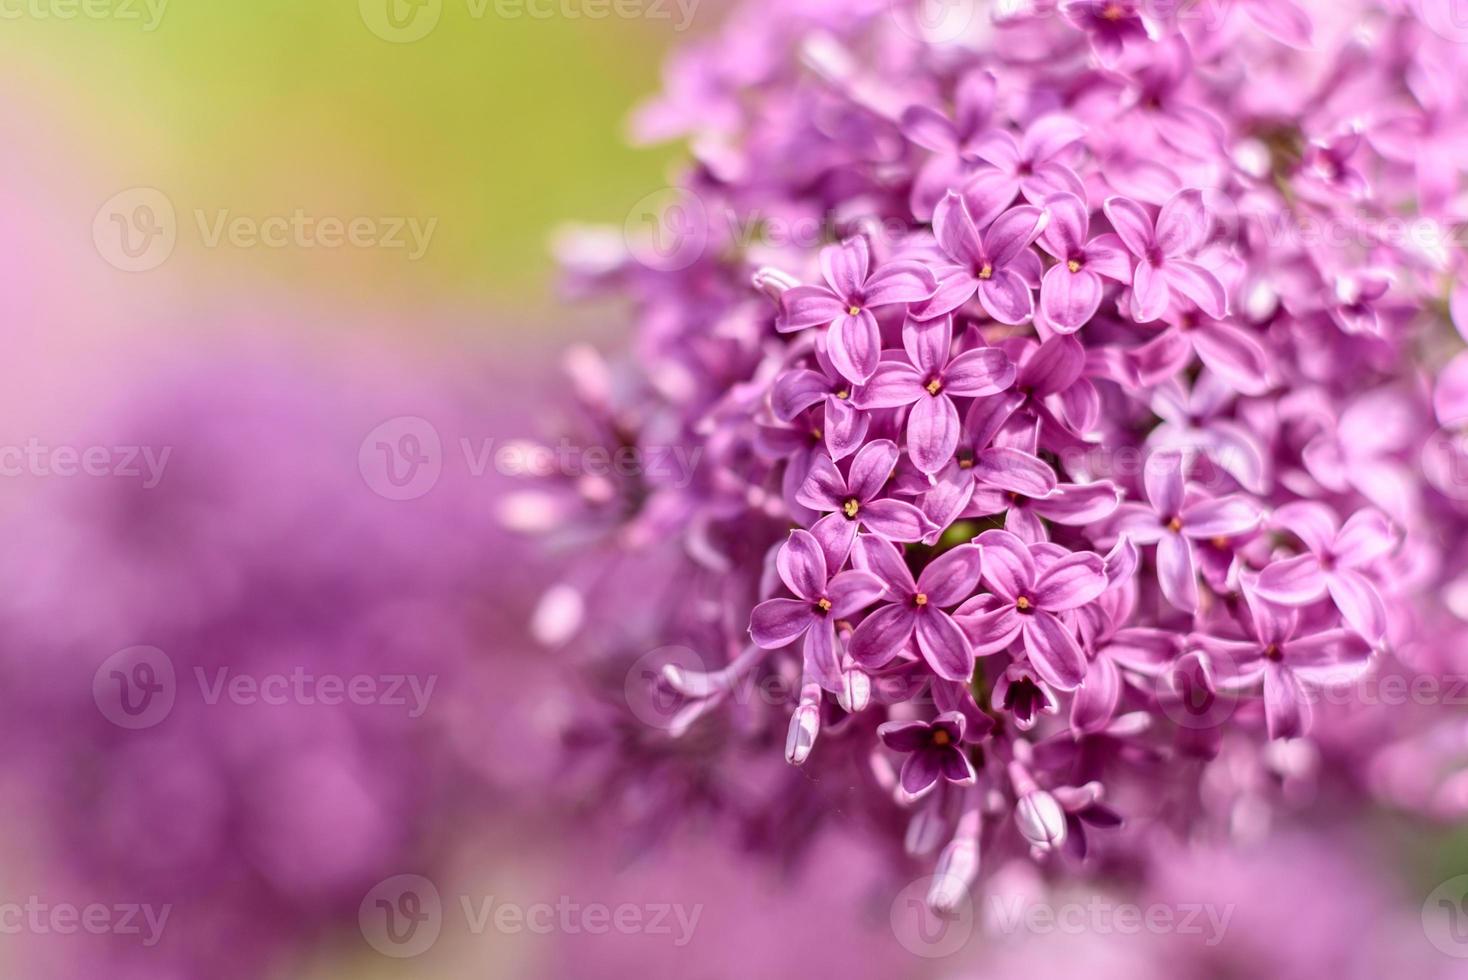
x: 498, y: 123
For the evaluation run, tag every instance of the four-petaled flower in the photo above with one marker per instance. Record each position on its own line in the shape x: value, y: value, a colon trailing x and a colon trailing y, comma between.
x: 821, y: 601
x: 854, y: 341
x: 1287, y: 664
x: 1032, y: 590
x: 929, y: 382
x: 1070, y: 293
x: 1163, y: 249
x: 998, y: 265
x: 934, y: 750
x: 916, y: 608
x: 1176, y: 516
x: 853, y: 501
x: 1333, y: 564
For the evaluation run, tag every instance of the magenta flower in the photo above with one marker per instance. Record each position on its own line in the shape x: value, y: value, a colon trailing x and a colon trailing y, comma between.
x: 1029, y: 602
x: 929, y: 382
x: 1227, y: 350
x: 934, y: 751
x: 1022, y: 695
x: 854, y: 341
x: 821, y: 600
x: 1163, y: 249
x: 1287, y: 663
x: 916, y: 608
x: 854, y: 501
x: 1031, y: 165
x: 1333, y: 565
x: 1070, y: 293
x: 949, y: 139
x: 1174, y: 517
x: 1110, y: 24
x: 997, y: 265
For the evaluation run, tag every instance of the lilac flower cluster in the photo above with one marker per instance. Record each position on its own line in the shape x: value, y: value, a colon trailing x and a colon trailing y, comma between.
x: 1083, y: 456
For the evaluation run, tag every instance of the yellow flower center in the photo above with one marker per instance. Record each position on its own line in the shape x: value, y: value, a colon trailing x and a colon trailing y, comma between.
x: 851, y: 507
x: 1113, y: 11
x: 823, y: 604
x: 843, y: 394
x: 920, y: 599
x: 987, y: 272
x: 1022, y: 603
x: 1175, y: 525
x: 854, y: 310
x: 934, y: 386
x: 940, y: 737
x: 1073, y: 265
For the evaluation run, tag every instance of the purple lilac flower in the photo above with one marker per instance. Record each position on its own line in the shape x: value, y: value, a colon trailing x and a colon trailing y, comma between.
x: 1028, y: 602
x: 997, y: 266
x: 933, y: 750
x: 929, y: 382
x: 854, y: 341
x: 1219, y: 401
x: 915, y: 608
x: 821, y: 599
x: 1175, y: 517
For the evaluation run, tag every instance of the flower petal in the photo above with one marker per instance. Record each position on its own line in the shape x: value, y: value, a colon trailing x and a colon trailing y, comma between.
x: 1162, y: 477
x: 802, y: 565
x: 1132, y: 224
x: 822, y: 661
x: 1150, y: 294
x: 1197, y: 284
x: 882, y: 635
x: 892, y: 385
x: 1234, y: 356
x: 1069, y: 299
x: 957, y: 236
x: 1359, y: 602
x: 1293, y: 581
x: 951, y: 577
x: 944, y: 645
x: 1012, y: 232
x: 1184, y: 223
x: 900, y: 282
x: 932, y: 432
x: 775, y: 622
x: 846, y: 427
x: 852, y: 591
x: 928, y: 343
x: 1053, y: 651
x: 979, y: 373
x: 1014, y: 471
x: 895, y: 520
x: 795, y: 391
x: 1224, y: 517
x: 844, y: 267
x: 1006, y: 297
x: 1009, y: 569
x: 809, y: 306
x: 871, y: 468
x: 1071, y: 582
x: 884, y: 560
x: 854, y: 344
x: 1176, y: 573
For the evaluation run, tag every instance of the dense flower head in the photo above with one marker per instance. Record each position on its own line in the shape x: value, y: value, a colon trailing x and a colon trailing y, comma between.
x: 1105, y: 426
